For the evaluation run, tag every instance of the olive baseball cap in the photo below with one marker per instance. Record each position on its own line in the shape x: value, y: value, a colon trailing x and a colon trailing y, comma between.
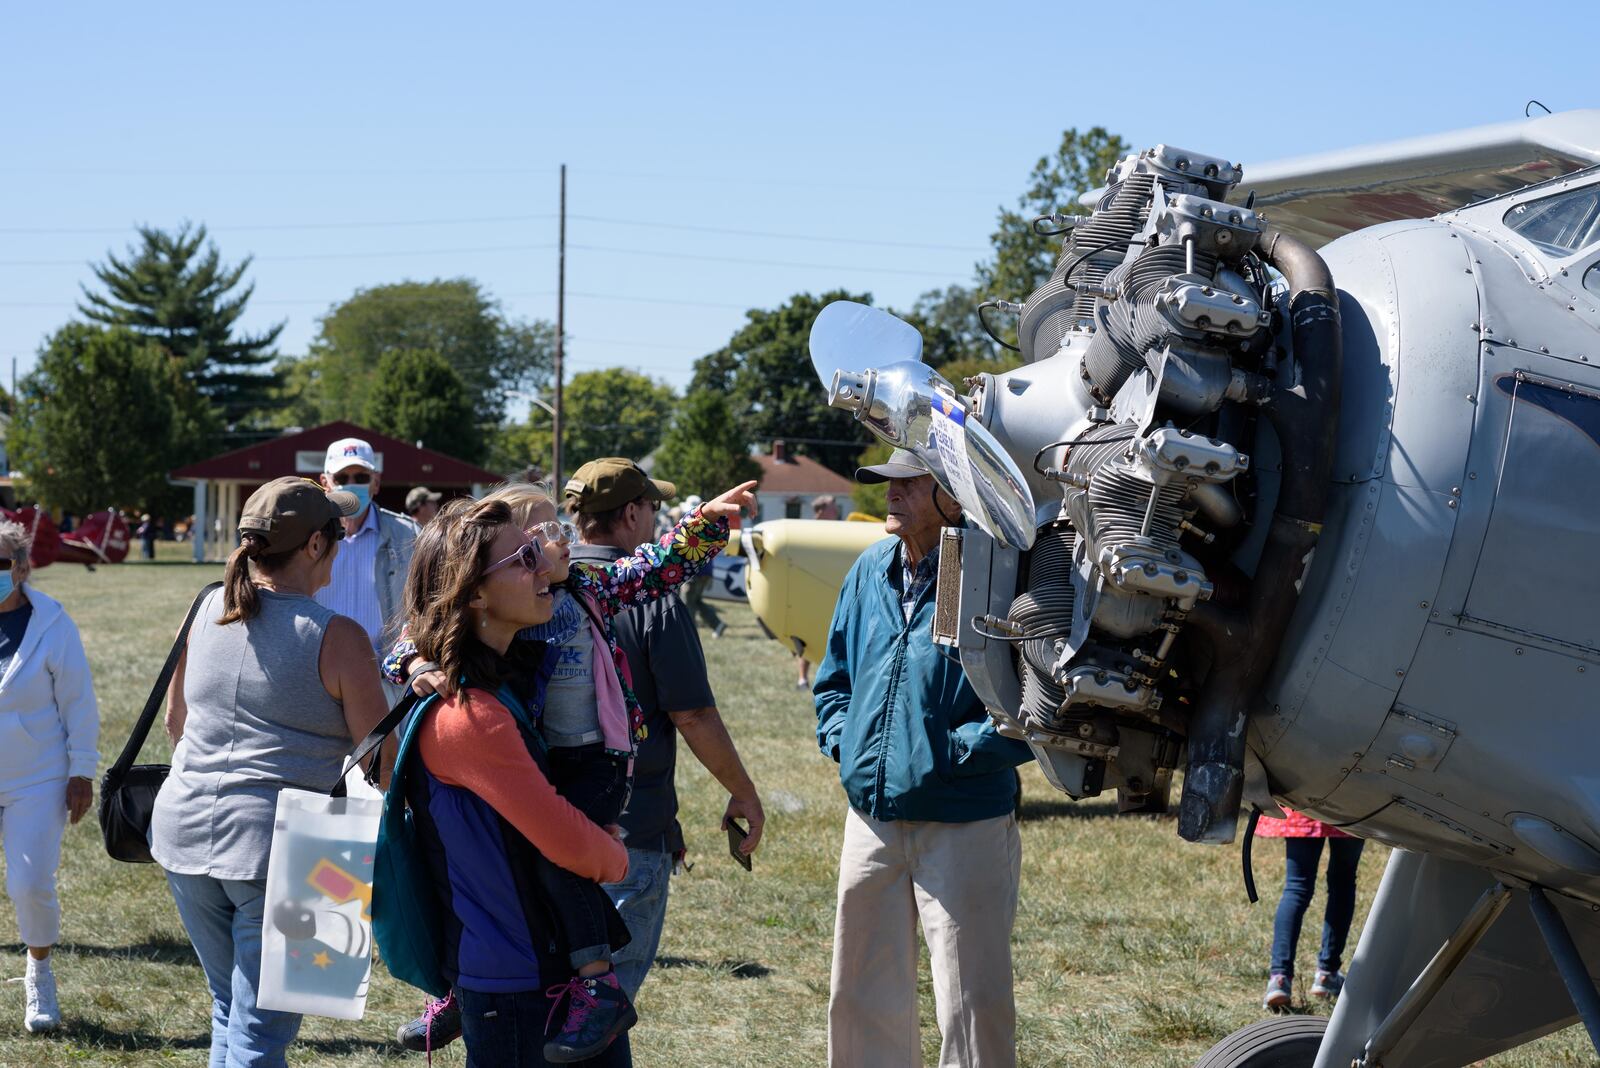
x: 601, y: 485
x: 419, y: 496
x: 288, y: 510
x: 901, y: 464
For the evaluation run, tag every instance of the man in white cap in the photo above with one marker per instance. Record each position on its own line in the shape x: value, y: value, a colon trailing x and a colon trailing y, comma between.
x: 369, y: 573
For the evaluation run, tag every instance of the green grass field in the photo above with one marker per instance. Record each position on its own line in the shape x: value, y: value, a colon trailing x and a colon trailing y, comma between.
x: 1131, y: 947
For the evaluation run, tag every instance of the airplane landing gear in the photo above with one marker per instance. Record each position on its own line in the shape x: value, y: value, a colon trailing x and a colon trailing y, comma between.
x: 1281, y: 1042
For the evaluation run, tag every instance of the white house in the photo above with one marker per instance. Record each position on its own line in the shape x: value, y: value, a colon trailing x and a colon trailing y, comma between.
x: 790, y: 483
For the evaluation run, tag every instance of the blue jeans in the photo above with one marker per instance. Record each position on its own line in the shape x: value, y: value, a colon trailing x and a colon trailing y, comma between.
x: 641, y: 899
x: 223, y: 918
x: 510, y: 1030
x: 1301, y: 856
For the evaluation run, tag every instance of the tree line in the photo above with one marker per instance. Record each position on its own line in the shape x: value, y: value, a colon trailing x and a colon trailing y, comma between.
x: 155, y: 373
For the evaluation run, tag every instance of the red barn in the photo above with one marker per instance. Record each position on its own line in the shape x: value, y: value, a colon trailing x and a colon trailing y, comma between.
x: 223, y: 483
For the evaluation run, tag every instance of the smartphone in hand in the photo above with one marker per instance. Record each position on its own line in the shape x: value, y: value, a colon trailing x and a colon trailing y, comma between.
x: 736, y: 837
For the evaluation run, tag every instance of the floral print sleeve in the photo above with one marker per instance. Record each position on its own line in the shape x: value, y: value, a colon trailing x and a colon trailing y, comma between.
x: 655, y: 568
x: 394, y: 663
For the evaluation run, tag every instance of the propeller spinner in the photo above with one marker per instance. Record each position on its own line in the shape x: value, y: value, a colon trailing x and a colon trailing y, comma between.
x: 909, y: 405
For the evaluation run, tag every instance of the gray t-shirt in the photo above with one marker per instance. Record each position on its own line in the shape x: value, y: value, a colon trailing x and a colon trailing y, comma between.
x: 571, y: 713
x: 669, y: 675
x: 259, y: 720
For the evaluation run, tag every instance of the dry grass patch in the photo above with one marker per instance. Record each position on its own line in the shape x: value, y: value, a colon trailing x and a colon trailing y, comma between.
x: 1131, y: 948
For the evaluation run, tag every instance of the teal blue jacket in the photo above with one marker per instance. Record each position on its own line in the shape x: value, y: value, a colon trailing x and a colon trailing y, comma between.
x: 895, y: 710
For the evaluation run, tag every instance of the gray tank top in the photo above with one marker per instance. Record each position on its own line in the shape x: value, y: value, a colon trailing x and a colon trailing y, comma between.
x: 259, y: 720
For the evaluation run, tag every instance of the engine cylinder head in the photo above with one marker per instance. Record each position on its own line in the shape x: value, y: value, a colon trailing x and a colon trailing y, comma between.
x: 1095, y: 248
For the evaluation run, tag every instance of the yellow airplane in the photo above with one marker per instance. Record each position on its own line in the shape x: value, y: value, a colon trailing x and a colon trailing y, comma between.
x: 796, y: 569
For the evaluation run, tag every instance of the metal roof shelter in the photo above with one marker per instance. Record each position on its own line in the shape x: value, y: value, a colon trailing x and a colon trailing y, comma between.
x: 223, y: 483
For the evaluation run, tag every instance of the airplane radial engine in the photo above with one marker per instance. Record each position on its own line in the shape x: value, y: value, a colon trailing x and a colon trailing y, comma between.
x: 1235, y: 519
x: 1317, y: 528
x: 1181, y: 336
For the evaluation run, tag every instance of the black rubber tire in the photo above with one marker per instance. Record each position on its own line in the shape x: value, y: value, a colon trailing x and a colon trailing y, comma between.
x: 1282, y: 1042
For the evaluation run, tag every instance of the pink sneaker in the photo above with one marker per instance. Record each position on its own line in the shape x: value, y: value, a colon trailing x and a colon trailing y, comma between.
x: 598, y: 1010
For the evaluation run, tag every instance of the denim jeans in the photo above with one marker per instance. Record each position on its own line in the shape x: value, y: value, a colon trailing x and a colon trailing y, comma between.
x: 641, y: 898
x: 1301, y: 856
x: 223, y: 918
x: 510, y: 1030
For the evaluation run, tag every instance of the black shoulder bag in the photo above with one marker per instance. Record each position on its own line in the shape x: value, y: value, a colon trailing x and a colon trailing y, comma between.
x: 128, y: 790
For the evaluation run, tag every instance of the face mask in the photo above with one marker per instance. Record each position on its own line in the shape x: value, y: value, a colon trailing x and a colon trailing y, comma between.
x: 362, y: 494
x: 6, y: 585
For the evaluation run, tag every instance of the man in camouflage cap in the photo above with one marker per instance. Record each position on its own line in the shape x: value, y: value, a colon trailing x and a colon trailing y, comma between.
x: 615, y: 502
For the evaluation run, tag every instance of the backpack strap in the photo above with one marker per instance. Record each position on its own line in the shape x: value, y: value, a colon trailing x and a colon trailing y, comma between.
x: 375, y: 738
x: 141, y: 729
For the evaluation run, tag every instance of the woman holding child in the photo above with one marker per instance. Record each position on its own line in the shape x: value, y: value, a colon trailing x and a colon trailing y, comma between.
x: 527, y: 757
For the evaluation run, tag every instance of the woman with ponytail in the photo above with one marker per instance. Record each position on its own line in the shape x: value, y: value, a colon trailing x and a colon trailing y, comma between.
x: 272, y: 691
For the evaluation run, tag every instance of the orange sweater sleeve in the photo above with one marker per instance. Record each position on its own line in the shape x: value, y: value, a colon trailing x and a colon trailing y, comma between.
x: 477, y: 747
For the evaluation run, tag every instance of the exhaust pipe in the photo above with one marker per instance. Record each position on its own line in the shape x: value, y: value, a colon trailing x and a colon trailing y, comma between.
x: 1305, y: 416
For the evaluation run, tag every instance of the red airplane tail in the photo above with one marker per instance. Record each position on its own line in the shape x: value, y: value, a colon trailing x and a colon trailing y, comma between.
x: 102, y: 538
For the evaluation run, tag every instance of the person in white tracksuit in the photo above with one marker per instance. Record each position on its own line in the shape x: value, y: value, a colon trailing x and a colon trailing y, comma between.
x: 49, y: 730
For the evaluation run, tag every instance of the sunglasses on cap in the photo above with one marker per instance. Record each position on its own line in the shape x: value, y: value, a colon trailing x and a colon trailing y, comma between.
x: 529, y: 556
x: 360, y: 478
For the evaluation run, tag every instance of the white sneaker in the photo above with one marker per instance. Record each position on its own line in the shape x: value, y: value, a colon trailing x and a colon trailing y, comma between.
x: 43, y: 1012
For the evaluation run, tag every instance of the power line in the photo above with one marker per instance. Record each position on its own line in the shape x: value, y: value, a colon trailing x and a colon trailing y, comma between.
x: 419, y: 299
x: 483, y: 219
x: 758, y: 263
x: 496, y: 249
x: 36, y: 230
x: 771, y: 234
x: 628, y: 344
x: 765, y: 180
x: 296, y: 302
x: 761, y: 180
x: 323, y: 255
x: 660, y: 300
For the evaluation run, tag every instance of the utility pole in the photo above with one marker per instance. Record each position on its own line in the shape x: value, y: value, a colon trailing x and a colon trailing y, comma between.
x: 561, y: 335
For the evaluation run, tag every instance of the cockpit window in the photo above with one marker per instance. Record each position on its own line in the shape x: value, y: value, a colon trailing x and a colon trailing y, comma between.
x: 1562, y: 224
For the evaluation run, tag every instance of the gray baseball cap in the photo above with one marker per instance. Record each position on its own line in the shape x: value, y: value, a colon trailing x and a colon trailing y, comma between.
x: 902, y: 463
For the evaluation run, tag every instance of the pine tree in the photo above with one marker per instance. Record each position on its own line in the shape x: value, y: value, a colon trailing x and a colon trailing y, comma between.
x: 174, y: 289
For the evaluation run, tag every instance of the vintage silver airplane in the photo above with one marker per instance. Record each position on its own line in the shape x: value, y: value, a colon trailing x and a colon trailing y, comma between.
x: 1316, y: 527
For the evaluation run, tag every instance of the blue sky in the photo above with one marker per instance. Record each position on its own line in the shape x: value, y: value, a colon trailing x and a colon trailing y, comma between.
x: 864, y: 146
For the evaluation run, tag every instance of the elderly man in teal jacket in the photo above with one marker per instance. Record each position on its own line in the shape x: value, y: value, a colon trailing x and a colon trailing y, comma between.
x: 931, y: 834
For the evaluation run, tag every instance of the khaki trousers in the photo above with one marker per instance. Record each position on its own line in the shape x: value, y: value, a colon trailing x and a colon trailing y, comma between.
x: 958, y: 879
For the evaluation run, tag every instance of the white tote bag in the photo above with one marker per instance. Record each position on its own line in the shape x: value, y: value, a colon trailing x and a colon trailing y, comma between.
x: 316, y: 938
